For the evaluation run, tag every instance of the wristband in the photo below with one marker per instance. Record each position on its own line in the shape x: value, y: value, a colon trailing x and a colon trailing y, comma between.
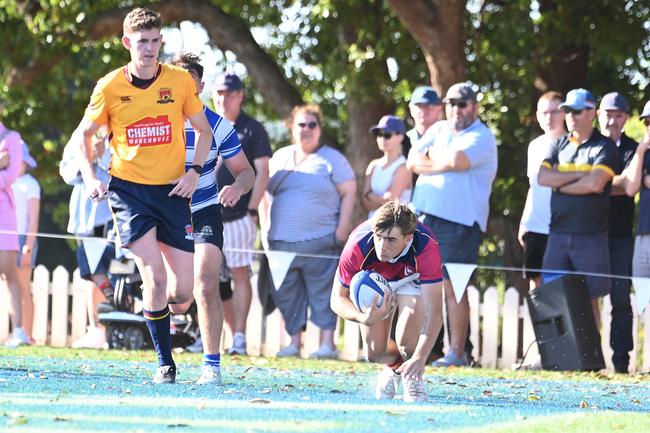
x: 197, y: 168
x: 253, y: 212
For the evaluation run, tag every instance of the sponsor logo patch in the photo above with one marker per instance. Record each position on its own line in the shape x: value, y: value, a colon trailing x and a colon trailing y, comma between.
x: 165, y: 95
x: 150, y: 131
x: 189, y: 233
x: 125, y: 98
x: 206, y: 231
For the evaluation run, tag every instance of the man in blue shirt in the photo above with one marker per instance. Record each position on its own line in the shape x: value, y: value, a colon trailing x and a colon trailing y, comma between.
x: 456, y: 161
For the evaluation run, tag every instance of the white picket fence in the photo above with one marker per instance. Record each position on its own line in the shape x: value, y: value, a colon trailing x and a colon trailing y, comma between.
x: 61, y: 316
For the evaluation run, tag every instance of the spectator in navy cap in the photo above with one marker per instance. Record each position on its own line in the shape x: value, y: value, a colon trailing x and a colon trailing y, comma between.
x: 580, y: 167
x: 426, y: 109
x: 387, y: 177
x: 612, y: 115
x: 239, y: 221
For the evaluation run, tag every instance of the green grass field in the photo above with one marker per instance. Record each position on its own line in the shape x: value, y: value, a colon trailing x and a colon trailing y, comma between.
x: 65, y: 390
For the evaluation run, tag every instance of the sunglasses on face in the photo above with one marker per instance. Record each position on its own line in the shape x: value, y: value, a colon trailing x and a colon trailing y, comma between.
x: 310, y: 125
x: 455, y: 103
x: 575, y: 112
x: 385, y: 134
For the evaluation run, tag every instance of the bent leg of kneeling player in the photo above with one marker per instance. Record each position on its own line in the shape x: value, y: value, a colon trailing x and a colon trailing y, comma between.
x: 381, y: 348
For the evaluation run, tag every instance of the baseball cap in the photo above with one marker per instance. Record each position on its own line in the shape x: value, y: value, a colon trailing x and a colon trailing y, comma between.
x: 227, y: 81
x: 614, y: 101
x: 425, y: 95
x: 461, y: 92
x: 27, y: 158
x: 578, y: 99
x: 390, y: 123
x: 646, y: 111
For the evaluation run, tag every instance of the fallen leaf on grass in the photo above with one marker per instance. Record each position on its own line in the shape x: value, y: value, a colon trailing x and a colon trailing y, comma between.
x: 259, y: 401
x: 635, y: 401
x: 395, y: 412
x: 487, y: 393
x: 17, y: 419
x: 533, y: 398
x: 584, y: 405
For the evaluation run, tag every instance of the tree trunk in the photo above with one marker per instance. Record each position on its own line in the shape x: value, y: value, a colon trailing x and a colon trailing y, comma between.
x: 228, y: 33
x: 438, y: 26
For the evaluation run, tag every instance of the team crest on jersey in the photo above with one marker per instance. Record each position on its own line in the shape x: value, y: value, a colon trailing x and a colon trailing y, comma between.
x: 189, y: 233
x: 165, y: 95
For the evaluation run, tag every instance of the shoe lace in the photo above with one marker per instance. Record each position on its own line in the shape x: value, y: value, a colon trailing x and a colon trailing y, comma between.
x: 414, y: 388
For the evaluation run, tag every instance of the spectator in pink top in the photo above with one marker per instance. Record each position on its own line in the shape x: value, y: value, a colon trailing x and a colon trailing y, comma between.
x: 10, y: 164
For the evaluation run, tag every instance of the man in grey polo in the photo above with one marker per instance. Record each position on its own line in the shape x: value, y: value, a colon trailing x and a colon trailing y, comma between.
x: 456, y: 161
x: 426, y: 109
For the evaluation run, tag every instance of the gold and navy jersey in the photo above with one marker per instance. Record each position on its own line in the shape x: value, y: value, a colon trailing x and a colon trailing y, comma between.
x: 147, y: 125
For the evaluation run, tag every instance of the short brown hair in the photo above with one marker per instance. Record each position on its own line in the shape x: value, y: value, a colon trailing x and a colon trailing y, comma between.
x: 552, y: 95
x: 189, y: 62
x: 313, y: 109
x: 394, y: 214
x: 141, y: 19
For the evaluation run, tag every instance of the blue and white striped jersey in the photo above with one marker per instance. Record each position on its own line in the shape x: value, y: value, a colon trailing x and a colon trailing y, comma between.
x: 224, y: 142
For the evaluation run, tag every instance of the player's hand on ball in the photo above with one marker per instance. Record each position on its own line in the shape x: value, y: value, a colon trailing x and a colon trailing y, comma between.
x: 378, y: 313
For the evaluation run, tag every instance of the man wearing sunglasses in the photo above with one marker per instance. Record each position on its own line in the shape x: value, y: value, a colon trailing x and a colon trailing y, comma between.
x: 456, y: 161
x: 580, y: 167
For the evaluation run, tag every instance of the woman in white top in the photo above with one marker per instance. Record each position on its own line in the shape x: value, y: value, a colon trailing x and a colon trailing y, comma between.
x: 27, y: 195
x: 387, y: 177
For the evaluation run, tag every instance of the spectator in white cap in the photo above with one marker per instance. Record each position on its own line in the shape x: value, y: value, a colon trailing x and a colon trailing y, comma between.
x: 387, y: 177
x: 27, y: 195
x: 456, y: 161
x: 580, y: 167
x: 425, y: 107
x: 612, y: 116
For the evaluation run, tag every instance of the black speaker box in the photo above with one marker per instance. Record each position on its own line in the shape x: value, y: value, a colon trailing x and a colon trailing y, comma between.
x: 564, y: 325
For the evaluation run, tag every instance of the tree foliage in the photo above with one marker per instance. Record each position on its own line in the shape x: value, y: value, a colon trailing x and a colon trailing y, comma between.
x: 359, y: 59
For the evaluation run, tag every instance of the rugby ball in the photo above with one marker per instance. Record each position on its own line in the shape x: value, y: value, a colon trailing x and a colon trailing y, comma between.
x: 364, y: 286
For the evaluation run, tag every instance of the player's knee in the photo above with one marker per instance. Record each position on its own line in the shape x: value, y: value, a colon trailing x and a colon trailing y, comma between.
x: 204, y: 283
x: 375, y: 356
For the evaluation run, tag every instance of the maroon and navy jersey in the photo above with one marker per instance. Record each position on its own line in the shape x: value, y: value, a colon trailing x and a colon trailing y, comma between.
x: 359, y: 254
